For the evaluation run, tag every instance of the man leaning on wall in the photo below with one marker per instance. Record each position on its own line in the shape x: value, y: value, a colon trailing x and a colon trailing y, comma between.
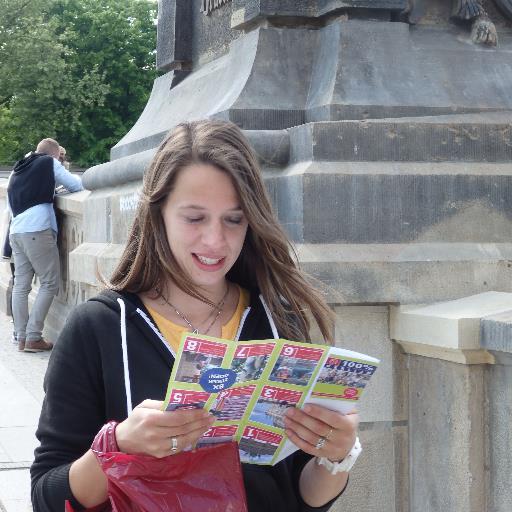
x: 33, y: 237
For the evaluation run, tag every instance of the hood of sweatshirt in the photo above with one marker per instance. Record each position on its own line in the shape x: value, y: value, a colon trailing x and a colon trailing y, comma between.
x: 22, y: 165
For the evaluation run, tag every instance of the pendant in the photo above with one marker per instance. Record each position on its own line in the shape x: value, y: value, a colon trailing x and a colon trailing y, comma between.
x: 195, y: 331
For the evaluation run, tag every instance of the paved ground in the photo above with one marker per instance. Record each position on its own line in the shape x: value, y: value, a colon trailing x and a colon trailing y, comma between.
x: 21, y: 395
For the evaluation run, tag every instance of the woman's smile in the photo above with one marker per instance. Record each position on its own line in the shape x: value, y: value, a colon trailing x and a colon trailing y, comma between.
x: 207, y: 263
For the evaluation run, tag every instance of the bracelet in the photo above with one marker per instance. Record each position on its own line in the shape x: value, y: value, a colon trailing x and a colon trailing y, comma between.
x: 105, y: 439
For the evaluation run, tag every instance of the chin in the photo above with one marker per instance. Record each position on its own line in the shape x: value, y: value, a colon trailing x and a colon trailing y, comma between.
x: 203, y: 281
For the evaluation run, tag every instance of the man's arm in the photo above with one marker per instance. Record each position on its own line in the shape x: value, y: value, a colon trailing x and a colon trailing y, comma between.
x: 65, y: 178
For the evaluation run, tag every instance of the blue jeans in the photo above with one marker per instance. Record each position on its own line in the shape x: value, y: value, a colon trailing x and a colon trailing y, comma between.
x: 34, y: 254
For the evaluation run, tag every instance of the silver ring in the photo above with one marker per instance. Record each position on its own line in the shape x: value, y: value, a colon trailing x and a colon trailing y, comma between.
x: 320, y: 443
x: 174, y: 444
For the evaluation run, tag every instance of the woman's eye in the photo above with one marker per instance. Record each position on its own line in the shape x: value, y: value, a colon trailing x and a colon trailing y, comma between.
x: 193, y: 220
x: 234, y: 220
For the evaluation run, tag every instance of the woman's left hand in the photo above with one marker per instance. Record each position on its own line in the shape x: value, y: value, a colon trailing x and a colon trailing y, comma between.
x: 322, y: 432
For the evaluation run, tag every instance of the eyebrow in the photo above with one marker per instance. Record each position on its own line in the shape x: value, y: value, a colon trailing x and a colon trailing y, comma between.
x: 200, y: 208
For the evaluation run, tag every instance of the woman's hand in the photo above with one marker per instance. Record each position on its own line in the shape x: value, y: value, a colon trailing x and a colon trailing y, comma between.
x: 322, y: 432
x: 149, y: 430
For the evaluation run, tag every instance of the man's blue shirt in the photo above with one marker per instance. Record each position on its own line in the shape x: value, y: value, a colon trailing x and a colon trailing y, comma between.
x: 42, y: 216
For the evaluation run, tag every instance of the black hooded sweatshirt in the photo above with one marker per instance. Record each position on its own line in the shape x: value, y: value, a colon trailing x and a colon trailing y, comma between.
x: 32, y: 182
x: 85, y: 388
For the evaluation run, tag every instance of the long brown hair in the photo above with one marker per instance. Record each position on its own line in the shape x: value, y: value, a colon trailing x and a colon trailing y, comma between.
x: 267, y: 260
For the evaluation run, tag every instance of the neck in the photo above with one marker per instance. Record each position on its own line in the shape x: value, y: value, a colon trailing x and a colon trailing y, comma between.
x: 183, y: 300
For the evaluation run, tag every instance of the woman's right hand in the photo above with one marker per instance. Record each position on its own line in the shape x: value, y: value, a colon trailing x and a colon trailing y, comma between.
x: 149, y: 430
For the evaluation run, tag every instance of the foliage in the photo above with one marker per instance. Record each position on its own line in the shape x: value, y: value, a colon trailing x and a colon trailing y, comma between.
x: 77, y: 70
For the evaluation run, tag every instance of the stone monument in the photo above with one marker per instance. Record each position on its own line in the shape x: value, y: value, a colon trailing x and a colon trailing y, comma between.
x: 384, y: 130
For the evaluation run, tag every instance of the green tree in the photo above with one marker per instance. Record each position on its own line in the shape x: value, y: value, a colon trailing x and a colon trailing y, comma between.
x: 38, y: 86
x: 117, y: 37
x: 78, y: 70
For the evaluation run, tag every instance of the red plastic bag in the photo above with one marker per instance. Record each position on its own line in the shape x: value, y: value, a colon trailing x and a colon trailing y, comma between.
x: 207, y: 479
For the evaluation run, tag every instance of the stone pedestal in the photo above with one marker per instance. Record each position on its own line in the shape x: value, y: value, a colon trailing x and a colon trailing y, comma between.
x: 460, y: 402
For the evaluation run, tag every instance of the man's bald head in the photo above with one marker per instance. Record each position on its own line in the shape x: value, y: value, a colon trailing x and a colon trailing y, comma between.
x: 49, y: 147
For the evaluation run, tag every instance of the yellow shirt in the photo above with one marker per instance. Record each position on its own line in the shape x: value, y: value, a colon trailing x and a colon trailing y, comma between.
x: 172, y: 332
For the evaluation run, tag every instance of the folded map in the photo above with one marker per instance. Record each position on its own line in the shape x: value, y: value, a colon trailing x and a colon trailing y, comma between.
x: 248, y: 385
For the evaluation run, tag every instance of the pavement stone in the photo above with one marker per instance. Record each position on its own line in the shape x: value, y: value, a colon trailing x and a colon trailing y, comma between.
x: 21, y: 396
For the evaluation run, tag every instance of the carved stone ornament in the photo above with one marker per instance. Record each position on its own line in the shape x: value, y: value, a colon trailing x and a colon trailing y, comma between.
x: 207, y: 6
x: 483, y: 30
x: 505, y: 7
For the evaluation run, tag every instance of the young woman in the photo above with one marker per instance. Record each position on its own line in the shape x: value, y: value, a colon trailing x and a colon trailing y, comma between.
x: 205, y: 254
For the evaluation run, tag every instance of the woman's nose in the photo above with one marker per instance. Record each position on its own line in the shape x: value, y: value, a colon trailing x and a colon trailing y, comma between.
x: 213, y: 235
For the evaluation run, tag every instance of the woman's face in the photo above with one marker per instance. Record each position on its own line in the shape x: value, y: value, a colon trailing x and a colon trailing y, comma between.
x: 205, y: 224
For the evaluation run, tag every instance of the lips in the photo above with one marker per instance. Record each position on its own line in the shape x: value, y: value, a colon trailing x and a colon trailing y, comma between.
x: 208, y: 263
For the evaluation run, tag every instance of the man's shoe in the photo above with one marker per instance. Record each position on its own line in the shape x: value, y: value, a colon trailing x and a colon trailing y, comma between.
x: 38, y: 346
x: 21, y: 344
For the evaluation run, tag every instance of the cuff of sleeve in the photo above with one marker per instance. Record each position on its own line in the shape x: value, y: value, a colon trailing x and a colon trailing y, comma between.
x: 52, y: 490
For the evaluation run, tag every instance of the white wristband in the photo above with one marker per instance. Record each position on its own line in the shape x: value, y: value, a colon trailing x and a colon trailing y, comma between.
x: 344, y: 465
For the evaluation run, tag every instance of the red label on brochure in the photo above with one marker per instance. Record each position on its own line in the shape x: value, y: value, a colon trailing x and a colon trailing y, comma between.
x: 241, y: 391
x: 254, y: 350
x: 259, y: 434
x: 205, y: 347
x: 305, y: 353
x: 224, y: 431
x: 285, y: 395
x: 186, y: 397
x: 346, y: 396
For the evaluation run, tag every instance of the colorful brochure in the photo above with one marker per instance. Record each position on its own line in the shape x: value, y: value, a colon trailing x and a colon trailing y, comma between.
x: 248, y: 385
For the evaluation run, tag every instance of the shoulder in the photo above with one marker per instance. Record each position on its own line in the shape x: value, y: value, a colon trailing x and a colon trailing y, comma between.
x: 96, y: 314
x: 94, y: 325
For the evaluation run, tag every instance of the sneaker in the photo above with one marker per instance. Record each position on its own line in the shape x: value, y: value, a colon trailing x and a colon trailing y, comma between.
x: 14, y: 339
x: 21, y: 344
x: 37, y: 345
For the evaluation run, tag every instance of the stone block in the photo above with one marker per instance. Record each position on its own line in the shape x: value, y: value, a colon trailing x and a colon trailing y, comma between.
x: 248, y: 12
x: 97, y: 217
x: 212, y: 33
x: 89, y: 259
x: 447, y: 436
x: 124, y: 204
x: 444, y: 138
x: 379, y: 69
x: 72, y: 204
x: 366, y: 202
x: 365, y: 329
x: 454, y: 324
x: 406, y: 273
x: 384, y: 453
x: 496, y: 331
x: 174, y: 34
x: 499, y: 396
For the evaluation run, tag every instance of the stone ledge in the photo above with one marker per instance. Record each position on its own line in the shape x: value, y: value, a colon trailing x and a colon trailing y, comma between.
x: 72, y: 203
x: 447, y: 354
x: 448, y: 330
x: 496, y: 332
x: 89, y: 258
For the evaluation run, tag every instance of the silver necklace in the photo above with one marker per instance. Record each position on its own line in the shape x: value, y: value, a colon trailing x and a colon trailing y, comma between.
x: 195, y: 330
